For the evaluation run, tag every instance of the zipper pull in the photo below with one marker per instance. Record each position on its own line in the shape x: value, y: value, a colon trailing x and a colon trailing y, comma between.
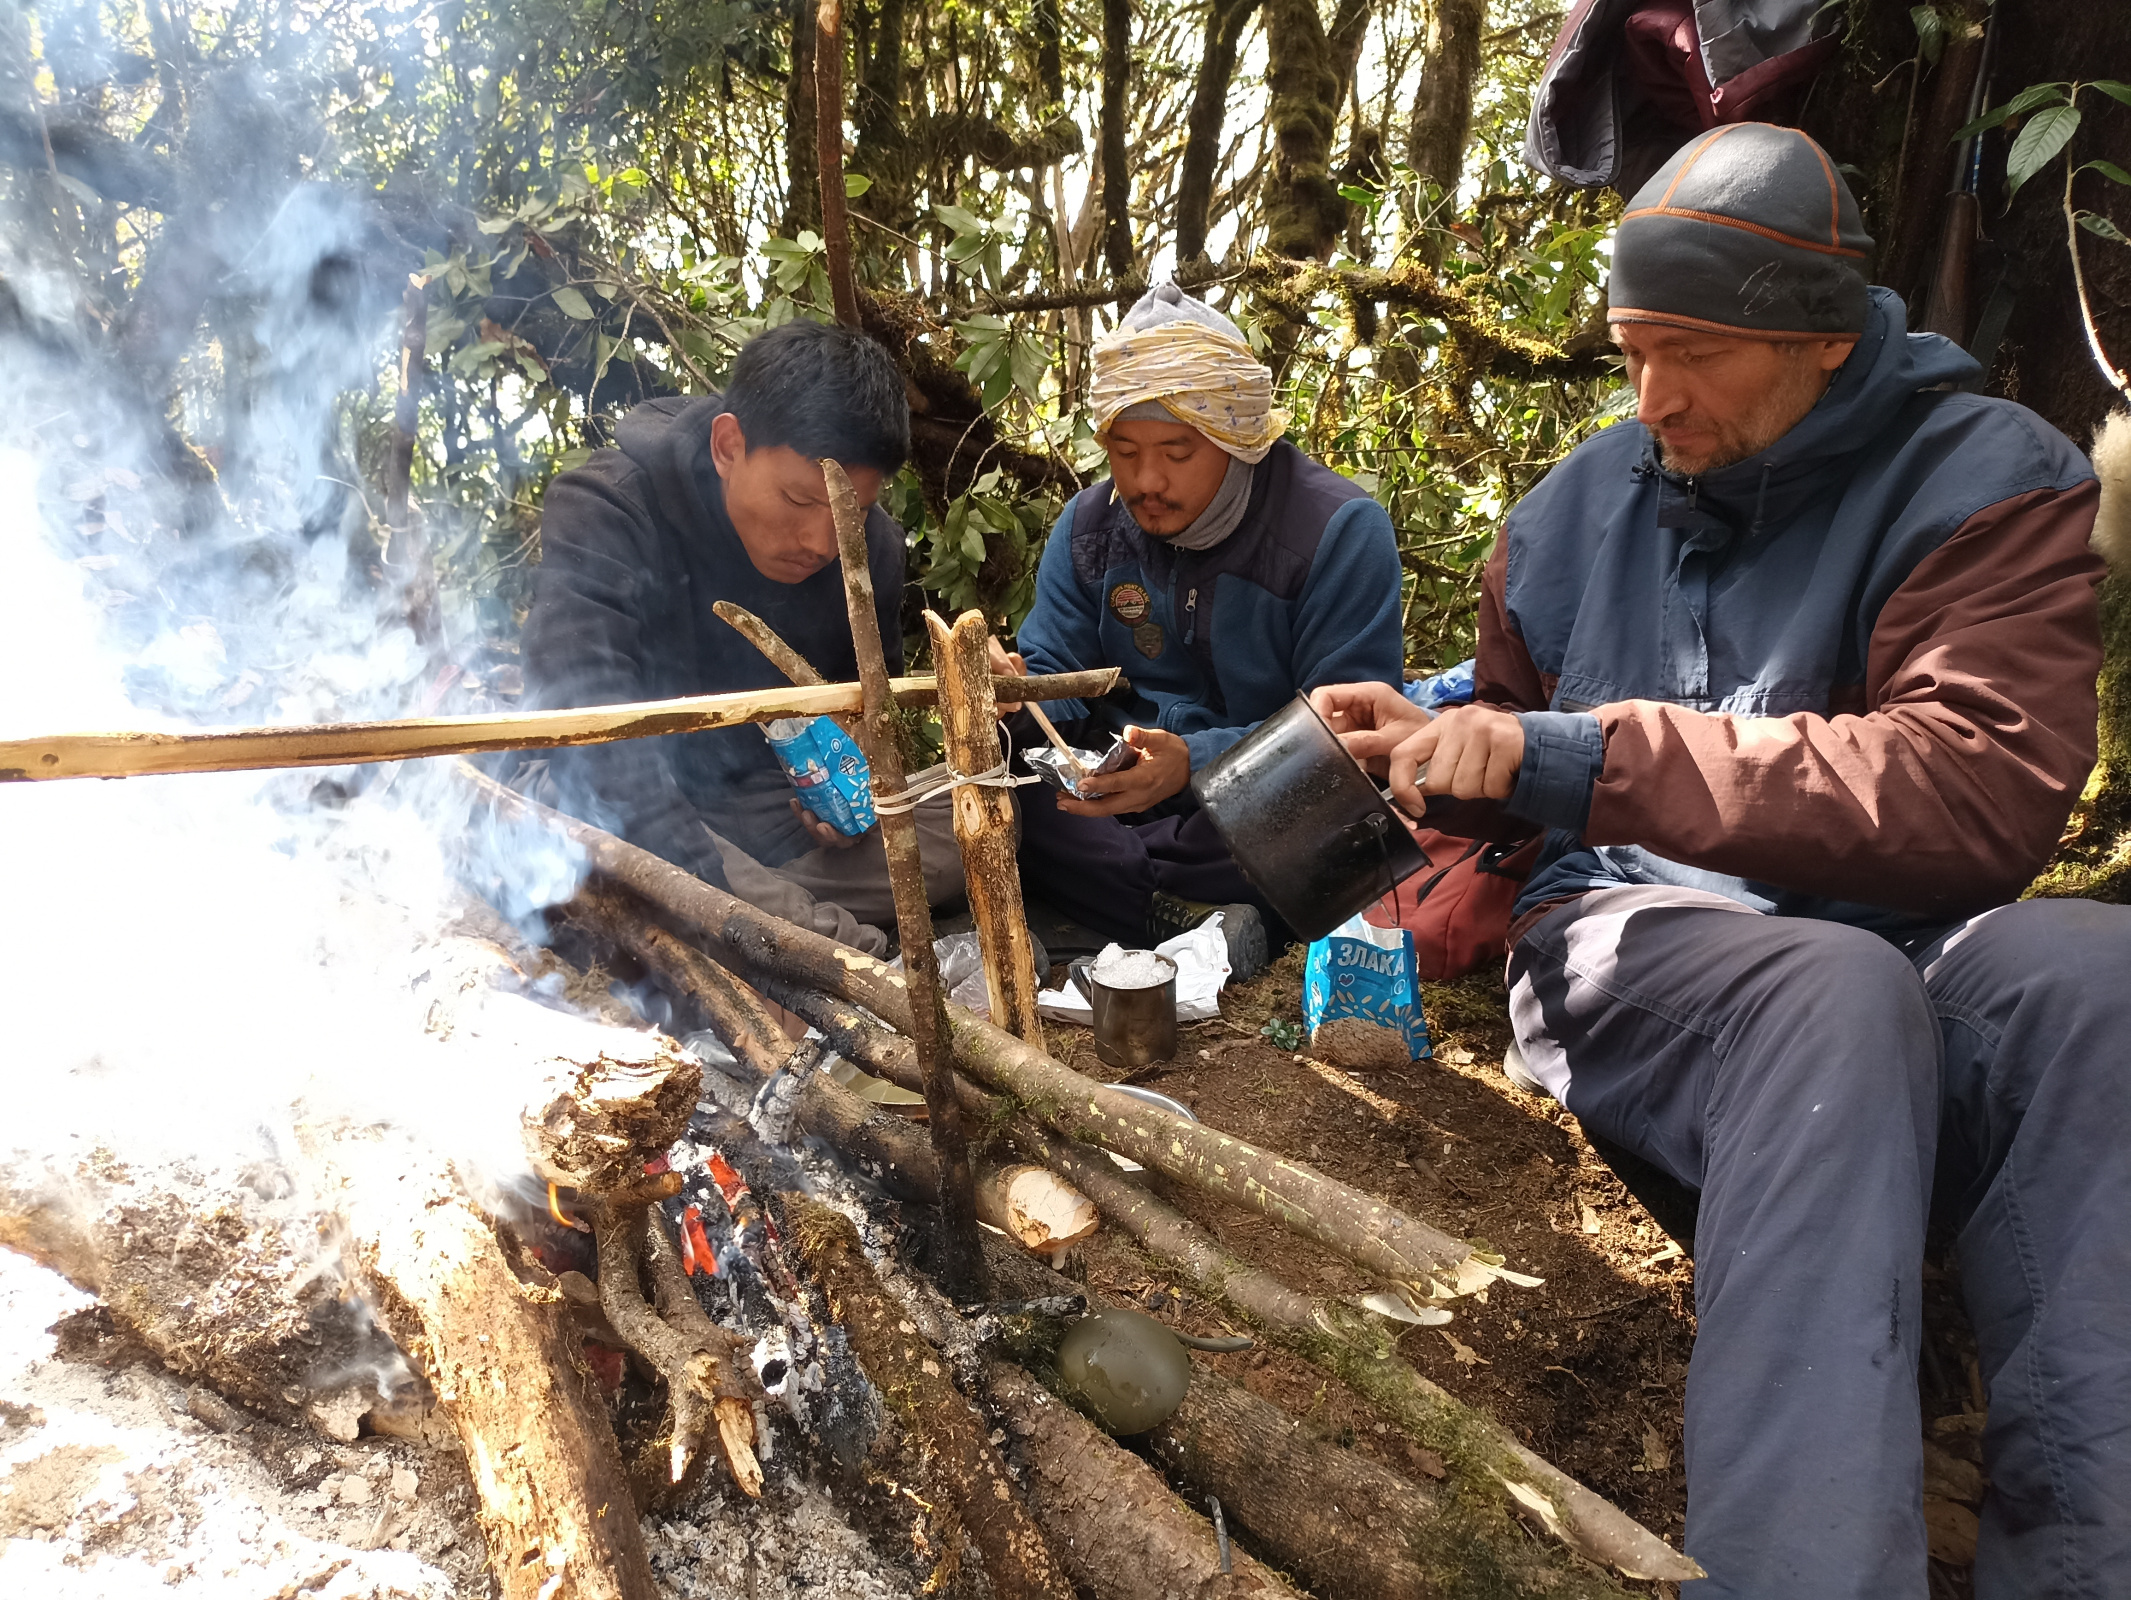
x: 1191, y: 616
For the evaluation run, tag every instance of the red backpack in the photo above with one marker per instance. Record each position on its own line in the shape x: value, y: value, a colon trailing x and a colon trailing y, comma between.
x: 1458, y: 907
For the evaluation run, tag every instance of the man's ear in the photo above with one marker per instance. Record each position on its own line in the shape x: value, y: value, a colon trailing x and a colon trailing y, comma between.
x: 727, y: 443
x: 1833, y: 353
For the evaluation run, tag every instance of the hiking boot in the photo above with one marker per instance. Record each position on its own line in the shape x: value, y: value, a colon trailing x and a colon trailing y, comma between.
x: 1514, y: 1069
x: 1241, y: 926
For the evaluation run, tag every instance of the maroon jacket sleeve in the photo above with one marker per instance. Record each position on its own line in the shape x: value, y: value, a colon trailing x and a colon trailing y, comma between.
x: 1503, y: 673
x: 1948, y: 793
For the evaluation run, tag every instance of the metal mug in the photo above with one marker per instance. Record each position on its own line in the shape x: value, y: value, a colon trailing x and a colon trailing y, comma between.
x: 1133, y: 1027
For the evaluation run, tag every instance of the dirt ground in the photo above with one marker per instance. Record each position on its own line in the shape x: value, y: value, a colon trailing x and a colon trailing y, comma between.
x: 1589, y: 1370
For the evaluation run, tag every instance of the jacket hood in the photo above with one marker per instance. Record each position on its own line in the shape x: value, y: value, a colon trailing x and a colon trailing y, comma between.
x: 669, y: 438
x: 1886, y: 369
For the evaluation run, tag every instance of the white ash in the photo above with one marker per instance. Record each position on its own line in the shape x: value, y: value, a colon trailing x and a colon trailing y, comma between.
x: 110, y: 1488
x: 1118, y: 968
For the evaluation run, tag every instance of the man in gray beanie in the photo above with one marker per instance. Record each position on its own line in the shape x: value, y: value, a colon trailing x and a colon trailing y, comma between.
x: 1796, y: 675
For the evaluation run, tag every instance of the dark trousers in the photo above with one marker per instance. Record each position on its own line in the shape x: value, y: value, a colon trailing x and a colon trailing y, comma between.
x: 1823, y: 1089
x: 1103, y: 871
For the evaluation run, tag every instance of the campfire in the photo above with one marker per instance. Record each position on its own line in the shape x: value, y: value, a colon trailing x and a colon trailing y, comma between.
x: 711, y: 1285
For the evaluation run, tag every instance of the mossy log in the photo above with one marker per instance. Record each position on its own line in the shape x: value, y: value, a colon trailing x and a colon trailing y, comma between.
x: 1017, y: 1558
x: 1120, y: 1531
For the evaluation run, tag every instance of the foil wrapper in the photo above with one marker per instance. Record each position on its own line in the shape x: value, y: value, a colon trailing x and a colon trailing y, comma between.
x: 1050, y: 766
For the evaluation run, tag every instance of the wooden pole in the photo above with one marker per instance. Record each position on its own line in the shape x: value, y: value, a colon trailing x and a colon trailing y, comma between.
x: 960, y: 1260
x: 337, y: 744
x: 984, y: 823
x: 829, y: 153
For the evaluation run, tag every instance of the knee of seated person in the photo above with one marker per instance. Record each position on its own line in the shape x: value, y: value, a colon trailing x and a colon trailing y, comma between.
x: 1830, y: 979
x: 2081, y: 944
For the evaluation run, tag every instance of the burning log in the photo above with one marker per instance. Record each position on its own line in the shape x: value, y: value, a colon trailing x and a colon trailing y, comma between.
x: 334, y: 744
x: 555, y: 1505
x: 961, y: 1262
x: 1032, y: 1205
x: 594, y: 1131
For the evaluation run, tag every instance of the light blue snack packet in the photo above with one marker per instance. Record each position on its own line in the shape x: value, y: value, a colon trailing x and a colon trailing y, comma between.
x: 1360, y: 999
x: 827, y: 769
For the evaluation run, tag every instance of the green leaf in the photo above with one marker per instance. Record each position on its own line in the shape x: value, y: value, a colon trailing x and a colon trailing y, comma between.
x: 973, y: 546
x: 2113, y: 89
x: 856, y: 184
x: 571, y: 460
x: 475, y: 356
x: 1356, y: 193
x: 1930, y: 32
x: 958, y: 219
x: 573, y: 304
x: 2109, y: 170
x: 2026, y: 100
x: 2046, y: 132
x: 2101, y: 226
x: 494, y: 224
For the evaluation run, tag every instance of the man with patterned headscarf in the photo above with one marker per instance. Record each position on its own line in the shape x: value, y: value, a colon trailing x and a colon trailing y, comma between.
x: 1225, y: 572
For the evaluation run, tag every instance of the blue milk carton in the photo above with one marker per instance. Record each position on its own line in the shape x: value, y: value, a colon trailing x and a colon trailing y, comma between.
x: 827, y: 769
x: 1360, y: 999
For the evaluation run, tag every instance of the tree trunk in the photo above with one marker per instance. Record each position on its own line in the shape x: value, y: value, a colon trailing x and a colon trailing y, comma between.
x: 829, y: 149
x: 1225, y: 22
x: 802, y: 163
x: 1442, y: 109
x: 1116, y: 164
x: 1304, y: 212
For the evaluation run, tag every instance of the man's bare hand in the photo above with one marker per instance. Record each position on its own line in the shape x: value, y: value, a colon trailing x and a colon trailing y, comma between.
x: 822, y: 833
x: 1373, y: 709
x: 1005, y: 664
x: 1472, y: 752
x: 1164, y: 767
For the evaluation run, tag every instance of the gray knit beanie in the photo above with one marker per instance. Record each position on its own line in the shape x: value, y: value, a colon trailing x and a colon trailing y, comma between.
x: 1165, y: 302
x: 1747, y: 229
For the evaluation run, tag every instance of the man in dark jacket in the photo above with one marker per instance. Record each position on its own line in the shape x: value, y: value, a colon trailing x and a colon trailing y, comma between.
x: 1224, y: 571
x: 1797, y: 672
x: 722, y: 498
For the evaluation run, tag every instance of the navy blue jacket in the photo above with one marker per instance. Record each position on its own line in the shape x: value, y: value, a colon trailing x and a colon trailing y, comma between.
x: 635, y: 548
x: 1304, y: 592
x: 1851, y: 677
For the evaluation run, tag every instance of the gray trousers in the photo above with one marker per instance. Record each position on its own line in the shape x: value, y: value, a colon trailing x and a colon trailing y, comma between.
x: 843, y: 894
x: 1822, y: 1089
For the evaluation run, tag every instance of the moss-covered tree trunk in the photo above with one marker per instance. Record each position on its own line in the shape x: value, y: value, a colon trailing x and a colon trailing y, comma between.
x: 1304, y: 213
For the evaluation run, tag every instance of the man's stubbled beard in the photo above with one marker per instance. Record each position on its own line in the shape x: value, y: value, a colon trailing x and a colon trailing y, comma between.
x: 1784, y: 406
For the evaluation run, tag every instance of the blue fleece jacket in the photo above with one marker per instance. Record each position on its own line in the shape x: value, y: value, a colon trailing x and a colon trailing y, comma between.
x: 1304, y: 592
